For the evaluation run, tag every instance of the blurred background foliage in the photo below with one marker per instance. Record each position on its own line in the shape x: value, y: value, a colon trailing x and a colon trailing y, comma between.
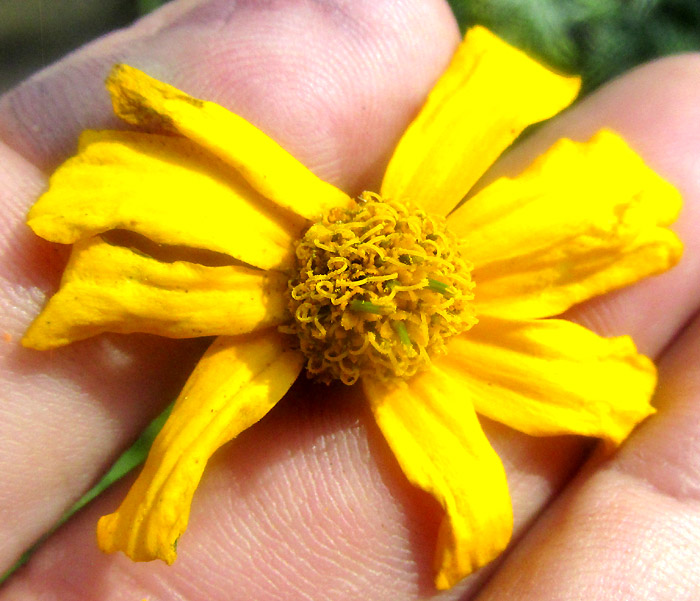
x: 597, y: 39
x: 34, y: 33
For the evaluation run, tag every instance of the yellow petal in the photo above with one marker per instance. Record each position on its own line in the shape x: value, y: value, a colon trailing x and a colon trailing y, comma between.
x: 488, y: 95
x: 271, y: 170
x: 234, y: 385
x: 548, y: 377
x: 432, y: 429
x: 108, y: 288
x: 167, y: 189
x: 584, y: 219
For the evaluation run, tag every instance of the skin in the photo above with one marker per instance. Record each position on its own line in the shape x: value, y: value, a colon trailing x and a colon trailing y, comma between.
x: 310, y: 504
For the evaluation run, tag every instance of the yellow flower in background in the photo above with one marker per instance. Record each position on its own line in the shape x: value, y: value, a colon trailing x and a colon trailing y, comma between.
x: 200, y: 225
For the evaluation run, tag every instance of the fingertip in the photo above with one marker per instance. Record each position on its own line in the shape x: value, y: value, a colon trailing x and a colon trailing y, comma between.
x: 335, y: 83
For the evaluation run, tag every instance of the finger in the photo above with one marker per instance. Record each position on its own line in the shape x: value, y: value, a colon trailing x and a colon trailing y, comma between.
x: 605, y: 515
x: 341, y: 469
x: 654, y: 310
x: 68, y: 412
x: 298, y: 507
x: 61, y: 423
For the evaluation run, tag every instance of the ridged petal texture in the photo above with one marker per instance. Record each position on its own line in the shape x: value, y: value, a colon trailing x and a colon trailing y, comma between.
x: 436, y: 437
x: 167, y: 189
x: 108, y: 288
x: 272, y: 171
x: 582, y: 220
x: 547, y: 377
x: 234, y: 385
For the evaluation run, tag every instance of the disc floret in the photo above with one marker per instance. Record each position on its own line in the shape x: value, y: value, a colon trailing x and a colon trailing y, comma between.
x: 380, y: 287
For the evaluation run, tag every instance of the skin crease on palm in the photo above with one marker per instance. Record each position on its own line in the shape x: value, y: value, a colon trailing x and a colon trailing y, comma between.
x: 309, y: 503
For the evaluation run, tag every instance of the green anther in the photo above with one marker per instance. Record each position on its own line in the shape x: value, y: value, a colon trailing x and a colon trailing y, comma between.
x: 367, y: 307
x: 411, y: 259
x: 402, y: 333
x: 444, y: 289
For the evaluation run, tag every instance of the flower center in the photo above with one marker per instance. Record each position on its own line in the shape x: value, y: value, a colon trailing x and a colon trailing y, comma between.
x: 380, y: 288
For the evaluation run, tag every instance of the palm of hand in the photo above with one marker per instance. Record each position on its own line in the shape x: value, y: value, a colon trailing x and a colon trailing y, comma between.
x: 311, y: 503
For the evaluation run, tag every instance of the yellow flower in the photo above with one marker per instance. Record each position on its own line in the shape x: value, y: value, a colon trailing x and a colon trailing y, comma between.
x: 199, y: 225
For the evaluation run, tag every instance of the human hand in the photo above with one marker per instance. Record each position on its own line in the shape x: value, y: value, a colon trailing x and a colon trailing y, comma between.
x: 310, y: 503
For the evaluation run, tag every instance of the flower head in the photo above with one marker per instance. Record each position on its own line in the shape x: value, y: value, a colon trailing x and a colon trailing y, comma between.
x: 379, y: 289
x: 437, y: 310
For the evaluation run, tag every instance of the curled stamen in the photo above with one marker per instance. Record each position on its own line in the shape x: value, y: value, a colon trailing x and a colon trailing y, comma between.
x: 368, y: 275
x: 325, y: 289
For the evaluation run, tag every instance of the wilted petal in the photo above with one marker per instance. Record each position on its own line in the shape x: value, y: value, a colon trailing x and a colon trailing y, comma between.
x: 271, y: 170
x: 167, y: 189
x: 548, y: 377
x: 108, y: 288
x: 584, y: 219
x: 234, y: 385
x: 436, y: 437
